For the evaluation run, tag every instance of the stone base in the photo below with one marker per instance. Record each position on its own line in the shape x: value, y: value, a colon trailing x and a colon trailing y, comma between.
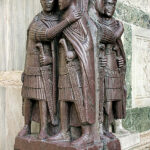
x: 32, y: 143
x: 110, y: 143
x: 129, y: 141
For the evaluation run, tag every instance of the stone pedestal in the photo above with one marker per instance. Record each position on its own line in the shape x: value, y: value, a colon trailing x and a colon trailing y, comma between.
x: 32, y: 143
x: 129, y: 141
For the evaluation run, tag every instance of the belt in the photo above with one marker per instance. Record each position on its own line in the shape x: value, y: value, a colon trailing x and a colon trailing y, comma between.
x: 37, y: 70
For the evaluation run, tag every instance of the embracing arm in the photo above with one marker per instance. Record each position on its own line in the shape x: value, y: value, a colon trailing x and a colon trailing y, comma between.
x: 52, y: 32
x: 40, y: 32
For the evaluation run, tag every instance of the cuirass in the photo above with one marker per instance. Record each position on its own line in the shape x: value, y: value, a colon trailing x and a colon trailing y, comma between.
x: 111, y: 58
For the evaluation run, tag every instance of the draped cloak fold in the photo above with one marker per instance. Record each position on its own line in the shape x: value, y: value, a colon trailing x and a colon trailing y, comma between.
x: 79, y: 36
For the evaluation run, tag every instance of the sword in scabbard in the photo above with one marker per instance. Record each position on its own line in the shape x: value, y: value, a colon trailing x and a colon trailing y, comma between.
x: 54, y: 92
x: 63, y: 42
x: 48, y: 90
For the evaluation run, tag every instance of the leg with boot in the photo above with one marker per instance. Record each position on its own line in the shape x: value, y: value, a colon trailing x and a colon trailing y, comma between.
x: 108, y: 119
x: 27, y: 116
x: 64, y: 134
x: 86, y: 135
x: 118, y: 127
x: 43, y: 118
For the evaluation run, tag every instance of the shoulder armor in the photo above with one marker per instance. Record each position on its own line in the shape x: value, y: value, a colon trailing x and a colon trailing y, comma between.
x: 37, y: 17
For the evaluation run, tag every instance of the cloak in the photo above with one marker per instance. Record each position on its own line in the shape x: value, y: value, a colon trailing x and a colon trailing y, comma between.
x: 79, y: 36
x: 46, y: 22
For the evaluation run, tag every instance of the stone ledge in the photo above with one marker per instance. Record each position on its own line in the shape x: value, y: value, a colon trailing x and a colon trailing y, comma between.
x: 12, y: 78
x: 135, y: 141
x: 129, y: 140
x: 144, y: 143
x: 32, y: 143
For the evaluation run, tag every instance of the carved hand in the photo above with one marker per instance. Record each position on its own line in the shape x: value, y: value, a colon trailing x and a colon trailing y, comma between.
x: 120, y: 61
x: 70, y: 55
x: 74, y: 15
x: 103, y: 61
x: 45, y: 60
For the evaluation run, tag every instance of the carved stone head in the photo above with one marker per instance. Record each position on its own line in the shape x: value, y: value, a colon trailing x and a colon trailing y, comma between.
x: 47, y: 5
x: 99, y: 5
x: 110, y: 6
x: 64, y: 4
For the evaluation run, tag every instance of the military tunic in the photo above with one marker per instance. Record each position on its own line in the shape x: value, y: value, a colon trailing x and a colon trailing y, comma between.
x: 33, y: 86
x: 114, y: 77
x: 70, y: 85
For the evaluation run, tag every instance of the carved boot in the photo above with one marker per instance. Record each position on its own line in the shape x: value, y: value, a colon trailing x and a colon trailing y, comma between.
x: 64, y: 134
x: 109, y: 134
x: 25, y: 131
x: 86, y: 138
x: 43, y: 134
x: 61, y: 136
x: 43, y: 116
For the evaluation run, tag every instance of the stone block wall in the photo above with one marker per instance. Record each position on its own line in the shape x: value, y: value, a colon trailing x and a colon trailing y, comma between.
x: 136, y: 18
x: 15, y: 18
x: 14, y: 21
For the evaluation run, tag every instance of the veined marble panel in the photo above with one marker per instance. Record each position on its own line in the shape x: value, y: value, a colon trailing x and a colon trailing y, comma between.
x: 141, y: 4
x: 141, y: 67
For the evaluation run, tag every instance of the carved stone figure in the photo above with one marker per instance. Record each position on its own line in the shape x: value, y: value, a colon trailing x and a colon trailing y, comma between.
x: 39, y: 78
x: 112, y: 64
x: 76, y: 77
x: 59, y: 76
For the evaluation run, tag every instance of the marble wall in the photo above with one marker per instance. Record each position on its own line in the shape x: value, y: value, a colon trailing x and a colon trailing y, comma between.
x: 136, y: 19
x: 15, y: 18
x: 141, y: 67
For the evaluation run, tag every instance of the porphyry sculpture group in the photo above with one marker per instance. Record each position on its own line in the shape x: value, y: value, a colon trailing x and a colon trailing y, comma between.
x: 59, y: 76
